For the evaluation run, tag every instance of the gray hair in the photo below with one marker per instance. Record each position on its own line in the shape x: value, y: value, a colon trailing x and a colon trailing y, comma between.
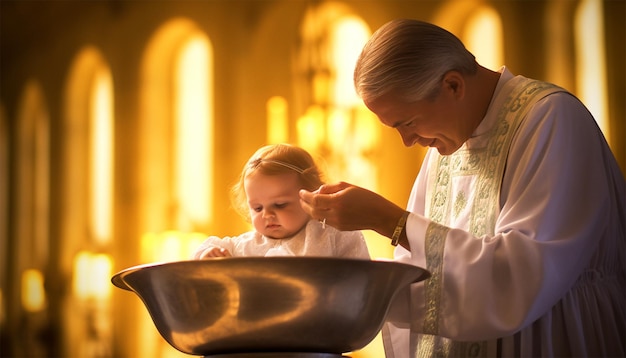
x: 409, y: 58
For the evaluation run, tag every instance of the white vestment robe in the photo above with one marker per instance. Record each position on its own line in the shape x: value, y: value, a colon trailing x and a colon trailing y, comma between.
x: 523, y: 231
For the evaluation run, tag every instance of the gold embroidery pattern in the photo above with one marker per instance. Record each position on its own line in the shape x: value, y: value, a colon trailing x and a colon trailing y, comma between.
x: 459, y: 203
x: 486, y: 205
x: 434, y: 346
x: 438, y: 203
x: 434, y: 245
x: 487, y: 165
x: 467, y: 162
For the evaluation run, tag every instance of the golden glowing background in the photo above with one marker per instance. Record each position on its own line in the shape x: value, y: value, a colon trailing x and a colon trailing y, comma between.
x: 123, y: 125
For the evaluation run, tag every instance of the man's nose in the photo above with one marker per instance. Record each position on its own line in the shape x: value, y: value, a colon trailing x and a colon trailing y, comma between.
x: 407, y: 138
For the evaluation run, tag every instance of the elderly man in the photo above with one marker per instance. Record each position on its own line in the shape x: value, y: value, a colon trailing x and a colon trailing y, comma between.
x: 518, y: 210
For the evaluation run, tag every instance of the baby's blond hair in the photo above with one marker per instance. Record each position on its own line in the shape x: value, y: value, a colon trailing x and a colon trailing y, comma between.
x: 276, y: 159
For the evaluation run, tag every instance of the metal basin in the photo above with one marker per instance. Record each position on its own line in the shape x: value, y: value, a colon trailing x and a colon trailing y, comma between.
x: 268, y: 304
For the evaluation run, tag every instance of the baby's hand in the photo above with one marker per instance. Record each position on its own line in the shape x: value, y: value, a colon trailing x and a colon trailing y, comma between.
x: 214, y: 252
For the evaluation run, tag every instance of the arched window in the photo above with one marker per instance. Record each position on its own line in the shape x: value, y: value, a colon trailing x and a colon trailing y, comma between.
x: 30, y: 256
x: 176, y: 150
x: 591, y: 82
x: 176, y: 144
x: 587, y: 74
x: 88, y: 153
x: 483, y: 37
x: 101, y: 156
x: 336, y: 124
x: 33, y: 177
x: 479, y: 27
x: 87, y: 192
x: 194, y: 132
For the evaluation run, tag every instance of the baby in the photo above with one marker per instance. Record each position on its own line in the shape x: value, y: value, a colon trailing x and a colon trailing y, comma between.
x: 267, y: 195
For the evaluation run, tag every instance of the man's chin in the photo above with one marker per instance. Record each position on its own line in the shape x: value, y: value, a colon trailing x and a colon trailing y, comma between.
x: 446, y: 150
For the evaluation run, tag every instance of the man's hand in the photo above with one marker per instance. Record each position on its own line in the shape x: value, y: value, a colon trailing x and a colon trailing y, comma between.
x: 348, y: 207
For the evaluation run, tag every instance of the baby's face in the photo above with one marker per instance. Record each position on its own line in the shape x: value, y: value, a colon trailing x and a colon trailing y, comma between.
x: 274, y: 204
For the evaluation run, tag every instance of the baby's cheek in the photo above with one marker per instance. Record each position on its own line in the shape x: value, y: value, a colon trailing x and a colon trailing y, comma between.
x: 257, y: 222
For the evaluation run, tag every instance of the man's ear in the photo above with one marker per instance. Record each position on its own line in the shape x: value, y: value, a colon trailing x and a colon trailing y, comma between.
x: 454, y: 83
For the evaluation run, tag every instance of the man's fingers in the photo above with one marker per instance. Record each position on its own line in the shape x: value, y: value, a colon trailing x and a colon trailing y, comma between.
x: 332, y: 188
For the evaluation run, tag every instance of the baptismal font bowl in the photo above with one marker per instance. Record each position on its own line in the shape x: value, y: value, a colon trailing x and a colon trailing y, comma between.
x: 268, y: 304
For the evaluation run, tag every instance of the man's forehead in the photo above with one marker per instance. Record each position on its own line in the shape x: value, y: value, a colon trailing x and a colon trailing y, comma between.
x: 388, y: 110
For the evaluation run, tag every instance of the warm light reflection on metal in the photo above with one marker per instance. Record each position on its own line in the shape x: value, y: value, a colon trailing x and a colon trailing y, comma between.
x: 277, y: 120
x: 33, y: 292
x: 302, y: 294
x: 92, y: 274
x: 194, y: 133
x: 591, y: 62
x: 169, y: 246
x: 483, y: 37
x: 102, y: 156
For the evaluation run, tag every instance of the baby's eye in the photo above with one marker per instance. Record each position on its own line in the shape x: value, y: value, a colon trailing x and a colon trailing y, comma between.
x: 409, y: 123
x: 280, y: 205
x: 257, y: 208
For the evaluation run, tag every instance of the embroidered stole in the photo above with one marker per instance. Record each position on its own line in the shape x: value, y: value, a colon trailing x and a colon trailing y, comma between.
x: 475, y: 175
